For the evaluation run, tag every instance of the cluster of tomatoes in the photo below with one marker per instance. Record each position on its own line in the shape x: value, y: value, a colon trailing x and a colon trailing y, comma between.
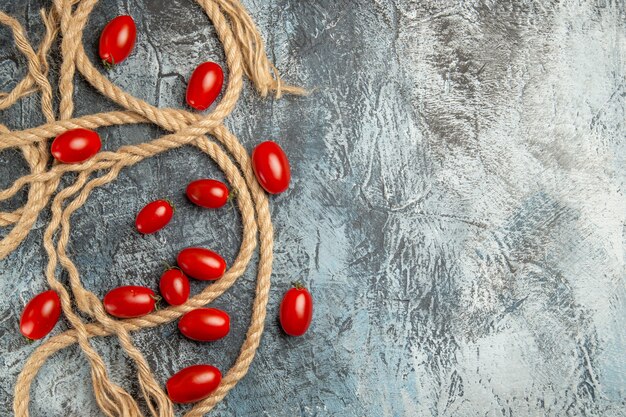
x: 271, y: 167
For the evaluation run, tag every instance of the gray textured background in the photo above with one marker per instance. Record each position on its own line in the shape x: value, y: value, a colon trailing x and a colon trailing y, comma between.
x: 457, y: 209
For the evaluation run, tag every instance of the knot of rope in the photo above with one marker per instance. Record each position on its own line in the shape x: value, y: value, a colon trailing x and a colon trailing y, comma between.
x: 245, y: 54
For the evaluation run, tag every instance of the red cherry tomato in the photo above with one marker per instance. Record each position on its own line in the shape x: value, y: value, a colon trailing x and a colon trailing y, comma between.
x: 202, y: 264
x: 154, y: 216
x: 204, y: 85
x: 129, y: 301
x: 205, y: 324
x: 193, y: 383
x: 40, y: 315
x: 271, y: 167
x: 117, y: 40
x: 207, y: 193
x: 76, y: 145
x: 174, y: 287
x: 296, y: 311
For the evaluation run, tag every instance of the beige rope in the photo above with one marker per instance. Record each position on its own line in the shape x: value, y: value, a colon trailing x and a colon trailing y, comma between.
x: 245, y: 53
x: 36, y: 155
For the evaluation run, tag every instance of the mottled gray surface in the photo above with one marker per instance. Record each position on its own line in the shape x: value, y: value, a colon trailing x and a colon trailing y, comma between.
x: 457, y: 209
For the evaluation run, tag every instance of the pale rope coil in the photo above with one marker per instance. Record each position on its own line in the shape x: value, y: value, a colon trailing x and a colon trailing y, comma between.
x: 244, y: 53
x: 36, y: 156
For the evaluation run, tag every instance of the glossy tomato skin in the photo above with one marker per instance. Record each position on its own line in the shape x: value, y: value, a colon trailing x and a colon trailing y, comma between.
x: 205, y: 324
x: 201, y: 263
x: 117, y: 40
x: 271, y: 167
x: 174, y: 287
x: 76, y: 145
x: 207, y: 193
x: 129, y: 301
x: 154, y: 216
x: 204, y: 85
x: 193, y: 383
x: 40, y: 315
x: 296, y: 311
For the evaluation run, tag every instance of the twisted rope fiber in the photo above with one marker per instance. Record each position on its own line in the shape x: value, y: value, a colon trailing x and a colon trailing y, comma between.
x: 244, y: 52
x: 36, y: 156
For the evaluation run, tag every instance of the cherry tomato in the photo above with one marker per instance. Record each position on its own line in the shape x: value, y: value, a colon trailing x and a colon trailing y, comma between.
x: 205, y: 324
x: 201, y: 263
x: 296, y: 311
x: 129, y: 301
x: 154, y: 216
x: 193, y: 383
x: 207, y: 193
x: 40, y: 315
x: 117, y: 40
x: 174, y: 287
x: 271, y: 167
x: 76, y: 145
x: 204, y: 85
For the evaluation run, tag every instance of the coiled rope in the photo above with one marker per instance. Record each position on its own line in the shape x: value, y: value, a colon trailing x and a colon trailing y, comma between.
x: 245, y: 54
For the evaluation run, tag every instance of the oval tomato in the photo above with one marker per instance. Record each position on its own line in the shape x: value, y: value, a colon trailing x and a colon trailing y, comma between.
x: 193, y: 383
x: 296, y: 311
x: 205, y: 324
x: 154, y: 216
x: 201, y: 263
x: 129, y: 301
x: 174, y: 287
x: 204, y: 85
x: 40, y: 315
x: 117, y: 40
x: 207, y: 193
x: 271, y: 167
x: 76, y: 145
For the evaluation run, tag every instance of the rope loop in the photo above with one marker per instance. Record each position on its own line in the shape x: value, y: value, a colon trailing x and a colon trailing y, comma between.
x: 245, y: 55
